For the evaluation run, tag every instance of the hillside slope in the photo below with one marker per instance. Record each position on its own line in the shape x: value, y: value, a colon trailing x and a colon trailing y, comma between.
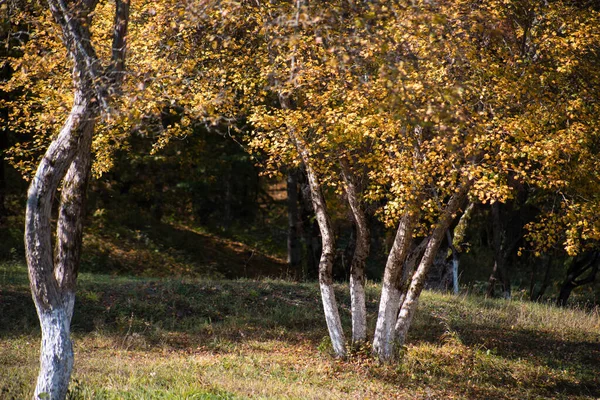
x: 194, y: 338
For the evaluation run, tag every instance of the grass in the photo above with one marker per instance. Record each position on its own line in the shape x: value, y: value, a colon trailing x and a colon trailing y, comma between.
x: 193, y: 338
x: 166, y: 249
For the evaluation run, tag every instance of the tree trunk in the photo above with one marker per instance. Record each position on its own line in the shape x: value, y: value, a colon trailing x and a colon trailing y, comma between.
x: 53, y: 283
x: 293, y: 242
x: 455, y: 262
x: 383, y: 341
x: 589, y: 262
x: 53, y: 274
x: 56, y: 355
x: 501, y: 254
x: 69, y: 229
x: 359, y: 258
x: 412, y: 297
x: 456, y: 241
x: 330, y: 307
x: 408, y: 269
x: 565, y: 292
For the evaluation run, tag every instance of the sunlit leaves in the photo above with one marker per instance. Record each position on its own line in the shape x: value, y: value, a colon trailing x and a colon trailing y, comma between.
x: 413, y: 95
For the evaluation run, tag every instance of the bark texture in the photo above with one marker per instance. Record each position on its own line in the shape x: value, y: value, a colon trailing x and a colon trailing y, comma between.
x: 56, y: 356
x: 359, y: 258
x: 409, y: 305
x: 332, y: 317
x: 53, y: 272
x: 330, y: 308
x: 38, y: 235
x: 391, y: 290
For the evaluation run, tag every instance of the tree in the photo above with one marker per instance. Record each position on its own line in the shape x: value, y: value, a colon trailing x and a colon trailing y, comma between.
x: 53, y: 273
x: 359, y: 257
x: 588, y: 262
x: 434, y: 102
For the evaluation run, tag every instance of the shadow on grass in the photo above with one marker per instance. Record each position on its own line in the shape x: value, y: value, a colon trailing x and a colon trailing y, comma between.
x: 538, y: 348
x: 166, y: 250
x: 232, y: 310
x: 215, y: 315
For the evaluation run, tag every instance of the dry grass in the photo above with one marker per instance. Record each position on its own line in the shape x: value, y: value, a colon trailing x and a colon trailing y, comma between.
x: 201, y: 339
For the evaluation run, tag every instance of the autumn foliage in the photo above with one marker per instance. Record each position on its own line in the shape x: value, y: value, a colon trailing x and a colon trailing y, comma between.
x: 428, y: 105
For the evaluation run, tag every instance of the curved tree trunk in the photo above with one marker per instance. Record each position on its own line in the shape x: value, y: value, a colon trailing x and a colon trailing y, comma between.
x: 53, y: 278
x: 56, y: 360
x: 53, y: 273
x: 589, y: 262
x: 359, y: 258
x: 330, y: 307
x: 383, y: 341
x: 412, y: 297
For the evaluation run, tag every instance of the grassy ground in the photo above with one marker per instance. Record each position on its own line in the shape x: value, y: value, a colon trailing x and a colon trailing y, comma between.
x: 152, y: 248
x: 233, y: 339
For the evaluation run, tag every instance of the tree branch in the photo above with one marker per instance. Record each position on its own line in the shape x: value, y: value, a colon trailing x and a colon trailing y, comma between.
x: 119, y: 44
x: 77, y: 40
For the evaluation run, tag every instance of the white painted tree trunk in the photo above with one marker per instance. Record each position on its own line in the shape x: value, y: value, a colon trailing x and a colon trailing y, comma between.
x: 383, y: 345
x: 383, y: 341
x: 411, y: 301
x: 53, y: 273
x: 455, y: 261
x: 455, y: 287
x: 359, y: 310
x: 332, y: 316
x: 56, y: 353
x: 330, y: 308
x: 52, y: 276
x: 359, y: 258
